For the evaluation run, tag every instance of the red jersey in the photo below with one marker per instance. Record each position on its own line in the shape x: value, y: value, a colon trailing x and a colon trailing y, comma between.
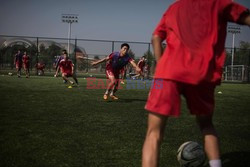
x: 26, y: 59
x: 195, y: 39
x: 141, y: 64
x: 66, y: 66
x: 40, y: 66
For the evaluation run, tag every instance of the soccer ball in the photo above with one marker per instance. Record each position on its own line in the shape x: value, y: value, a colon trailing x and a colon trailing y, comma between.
x: 10, y: 74
x: 191, y: 154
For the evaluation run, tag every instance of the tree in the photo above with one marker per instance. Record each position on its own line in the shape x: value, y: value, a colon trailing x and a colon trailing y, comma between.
x: 242, y: 54
x: 131, y: 54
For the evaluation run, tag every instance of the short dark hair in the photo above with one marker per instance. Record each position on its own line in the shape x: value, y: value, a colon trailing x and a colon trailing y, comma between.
x: 125, y: 44
x: 64, y: 51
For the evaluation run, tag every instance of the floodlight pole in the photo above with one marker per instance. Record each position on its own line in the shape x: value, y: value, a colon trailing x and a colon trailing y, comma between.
x: 69, y: 18
x: 234, y: 30
x: 69, y: 36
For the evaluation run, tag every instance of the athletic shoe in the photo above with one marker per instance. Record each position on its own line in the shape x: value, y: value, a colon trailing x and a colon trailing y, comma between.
x: 114, y: 97
x: 122, y: 82
x: 105, y: 97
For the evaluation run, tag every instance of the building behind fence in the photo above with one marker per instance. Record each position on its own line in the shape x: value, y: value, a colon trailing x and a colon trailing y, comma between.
x: 83, y: 51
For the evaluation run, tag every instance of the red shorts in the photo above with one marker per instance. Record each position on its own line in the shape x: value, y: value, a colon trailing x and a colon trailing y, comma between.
x: 67, y: 74
x: 111, y: 73
x: 166, y: 98
x: 18, y: 65
x: 25, y: 65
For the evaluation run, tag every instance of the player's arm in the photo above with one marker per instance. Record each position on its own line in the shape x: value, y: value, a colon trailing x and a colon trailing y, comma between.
x: 99, y: 61
x: 72, y: 67
x: 137, y: 69
x: 57, y: 71
x: 157, y: 46
x: 245, y: 18
x: 15, y: 60
x: 139, y: 62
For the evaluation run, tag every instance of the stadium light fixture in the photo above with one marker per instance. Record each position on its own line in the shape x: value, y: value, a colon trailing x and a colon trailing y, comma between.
x: 69, y: 18
x: 234, y: 29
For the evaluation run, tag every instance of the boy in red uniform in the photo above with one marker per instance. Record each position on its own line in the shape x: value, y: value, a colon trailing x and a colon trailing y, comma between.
x: 18, y: 62
x: 191, y: 65
x: 40, y: 68
x: 67, y: 69
x: 141, y: 64
x: 26, y: 64
x: 116, y: 62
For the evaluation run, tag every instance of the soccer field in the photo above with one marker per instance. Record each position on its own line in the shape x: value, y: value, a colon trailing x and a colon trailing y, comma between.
x: 43, y: 123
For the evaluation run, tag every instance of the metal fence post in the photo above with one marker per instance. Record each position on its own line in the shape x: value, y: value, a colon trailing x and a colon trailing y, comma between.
x: 74, y: 57
x: 37, y: 54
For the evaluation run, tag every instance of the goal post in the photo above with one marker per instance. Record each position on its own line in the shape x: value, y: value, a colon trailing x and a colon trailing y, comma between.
x: 237, y: 73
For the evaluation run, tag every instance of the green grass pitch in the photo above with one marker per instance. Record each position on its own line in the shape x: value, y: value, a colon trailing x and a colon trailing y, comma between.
x: 43, y: 123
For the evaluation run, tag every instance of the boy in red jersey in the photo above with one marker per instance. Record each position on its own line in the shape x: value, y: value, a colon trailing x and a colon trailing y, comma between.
x: 40, y: 66
x: 58, y: 60
x: 115, y: 62
x: 18, y: 62
x: 67, y: 69
x: 26, y: 64
x: 191, y: 65
x: 141, y: 64
x: 123, y: 73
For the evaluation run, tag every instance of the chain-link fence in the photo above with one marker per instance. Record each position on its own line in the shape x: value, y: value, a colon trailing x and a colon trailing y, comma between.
x: 83, y: 51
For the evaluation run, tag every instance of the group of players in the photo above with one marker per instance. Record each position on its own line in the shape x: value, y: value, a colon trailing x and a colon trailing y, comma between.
x: 115, y: 68
x: 23, y: 61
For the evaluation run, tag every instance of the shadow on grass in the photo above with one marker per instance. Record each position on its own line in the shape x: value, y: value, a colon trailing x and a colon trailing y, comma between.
x: 122, y: 100
x: 236, y: 159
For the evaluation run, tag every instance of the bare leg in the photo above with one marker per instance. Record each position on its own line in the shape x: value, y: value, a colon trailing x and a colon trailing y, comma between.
x: 66, y: 78
x: 115, y: 87
x: 110, y: 85
x: 28, y: 71
x: 75, y: 79
x: 154, y: 136
x: 211, y: 141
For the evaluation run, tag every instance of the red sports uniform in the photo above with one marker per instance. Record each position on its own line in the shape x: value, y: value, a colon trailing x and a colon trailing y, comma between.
x: 194, y: 57
x: 116, y: 63
x: 66, y: 67
x: 26, y: 61
x: 18, y: 61
x: 141, y: 65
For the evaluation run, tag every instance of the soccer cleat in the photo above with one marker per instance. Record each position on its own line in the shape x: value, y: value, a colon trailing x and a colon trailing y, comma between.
x: 114, y: 97
x: 122, y: 82
x: 105, y: 97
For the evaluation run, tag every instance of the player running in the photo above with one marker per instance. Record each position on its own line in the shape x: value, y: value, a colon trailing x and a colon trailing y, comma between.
x: 26, y: 64
x: 67, y: 69
x: 115, y: 62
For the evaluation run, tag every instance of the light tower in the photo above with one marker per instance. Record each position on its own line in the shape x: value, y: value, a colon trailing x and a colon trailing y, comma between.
x: 69, y: 18
x: 234, y: 29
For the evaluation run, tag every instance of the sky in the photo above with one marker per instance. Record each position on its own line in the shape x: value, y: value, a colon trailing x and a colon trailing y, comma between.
x: 119, y: 20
